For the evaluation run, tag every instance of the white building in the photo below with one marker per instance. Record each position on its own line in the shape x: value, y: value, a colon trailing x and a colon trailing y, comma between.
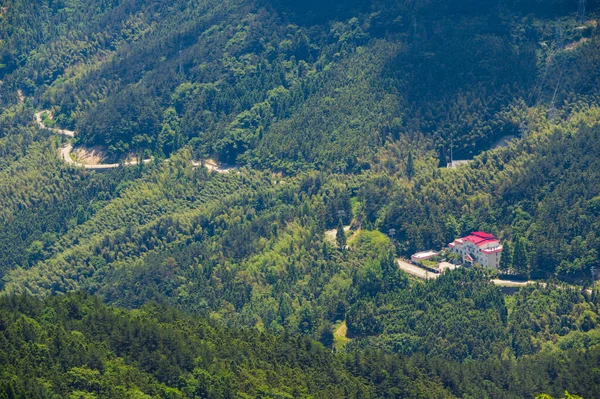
x: 479, y: 247
x: 456, y: 164
x: 419, y: 256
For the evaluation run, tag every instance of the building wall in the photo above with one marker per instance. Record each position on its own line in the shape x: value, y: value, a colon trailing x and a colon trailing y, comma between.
x: 488, y: 260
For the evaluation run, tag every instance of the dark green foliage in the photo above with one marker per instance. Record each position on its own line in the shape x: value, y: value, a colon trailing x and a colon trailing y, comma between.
x: 548, y: 198
x: 410, y: 166
x: 74, y: 346
x: 461, y: 315
x: 128, y: 121
x: 340, y: 235
x: 520, y: 259
x: 506, y: 260
x: 271, y: 86
x: 369, y: 93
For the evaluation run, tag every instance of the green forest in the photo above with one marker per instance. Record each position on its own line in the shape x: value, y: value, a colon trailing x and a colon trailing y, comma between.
x: 276, y: 275
x: 74, y: 346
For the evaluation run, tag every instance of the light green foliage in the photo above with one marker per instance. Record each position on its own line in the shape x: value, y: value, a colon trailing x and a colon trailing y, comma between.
x: 327, y: 106
x: 73, y: 346
x: 566, y: 396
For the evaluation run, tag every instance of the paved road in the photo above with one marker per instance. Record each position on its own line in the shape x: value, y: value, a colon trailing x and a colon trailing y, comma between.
x: 513, y: 283
x: 419, y: 272
x: 215, y: 167
x: 416, y: 270
x: 65, y: 153
x: 63, y: 132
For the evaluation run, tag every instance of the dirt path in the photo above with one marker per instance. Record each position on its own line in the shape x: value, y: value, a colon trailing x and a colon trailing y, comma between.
x: 341, y: 332
x: 574, y: 45
x: 331, y: 235
x: 65, y: 153
x: 419, y: 272
x: 339, y: 337
x: 514, y: 283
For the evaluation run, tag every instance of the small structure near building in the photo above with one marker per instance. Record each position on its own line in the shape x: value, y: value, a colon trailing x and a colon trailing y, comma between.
x: 419, y: 256
x: 457, y: 163
x: 443, y: 266
x: 479, y: 247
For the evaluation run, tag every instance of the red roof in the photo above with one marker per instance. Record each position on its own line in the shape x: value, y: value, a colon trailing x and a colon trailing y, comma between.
x: 480, y: 238
x: 492, y: 250
x: 482, y: 234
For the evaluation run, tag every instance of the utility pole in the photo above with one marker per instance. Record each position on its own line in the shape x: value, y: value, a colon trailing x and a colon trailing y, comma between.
x: 539, y: 93
x: 559, y: 40
x: 392, y: 234
x: 523, y: 128
x: 180, y: 60
x: 581, y: 11
x: 552, y: 114
x: 593, y: 272
x: 415, y: 30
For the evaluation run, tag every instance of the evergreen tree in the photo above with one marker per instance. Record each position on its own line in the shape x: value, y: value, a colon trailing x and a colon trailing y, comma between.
x: 340, y: 235
x: 520, y: 259
x: 410, y: 166
x: 506, y: 258
x: 326, y: 335
x: 392, y: 277
x: 285, y: 308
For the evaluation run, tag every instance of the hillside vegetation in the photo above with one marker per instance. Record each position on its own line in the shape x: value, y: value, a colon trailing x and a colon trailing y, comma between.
x: 264, y: 84
x: 75, y: 347
x: 190, y: 283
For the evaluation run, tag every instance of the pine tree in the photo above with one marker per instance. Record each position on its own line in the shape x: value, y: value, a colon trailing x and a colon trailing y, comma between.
x: 325, y: 334
x: 410, y: 166
x: 520, y: 259
x: 506, y: 258
x: 340, y: 235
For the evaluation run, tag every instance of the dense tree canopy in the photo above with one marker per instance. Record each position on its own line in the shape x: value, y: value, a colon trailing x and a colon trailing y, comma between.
x: 192, y: 283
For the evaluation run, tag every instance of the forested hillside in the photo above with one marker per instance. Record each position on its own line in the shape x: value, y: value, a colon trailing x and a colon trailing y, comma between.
x: 196, y: 282
x: 265, y: 84
x: 76, y: 347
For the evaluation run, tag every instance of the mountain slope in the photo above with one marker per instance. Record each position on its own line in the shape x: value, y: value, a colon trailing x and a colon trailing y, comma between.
x: 250, y: 80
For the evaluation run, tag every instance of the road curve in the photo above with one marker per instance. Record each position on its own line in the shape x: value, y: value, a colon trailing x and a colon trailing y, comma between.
x: 65, y: 153
x: 421, y: 273
x: 63, y: 132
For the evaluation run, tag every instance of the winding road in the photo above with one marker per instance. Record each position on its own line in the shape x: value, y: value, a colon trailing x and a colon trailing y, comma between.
x: 65, y: 153
x: 421, y: 273
x: 62, y: 132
